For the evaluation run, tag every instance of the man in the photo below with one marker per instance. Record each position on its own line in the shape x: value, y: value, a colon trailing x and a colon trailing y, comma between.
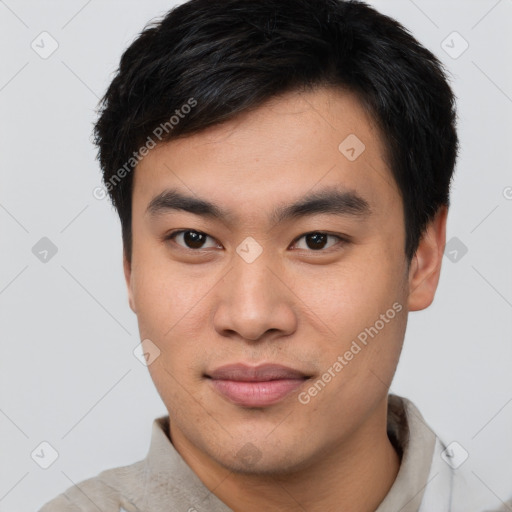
x: 281, y: 171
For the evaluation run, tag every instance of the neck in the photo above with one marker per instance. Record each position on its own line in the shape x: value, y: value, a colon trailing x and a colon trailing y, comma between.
x: 358, y: 473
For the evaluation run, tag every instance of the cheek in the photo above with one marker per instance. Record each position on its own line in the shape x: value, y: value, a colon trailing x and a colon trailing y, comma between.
x: 167, y: 298
x: 351, y: 295
x: 362, y: 304
x: 168, y: 315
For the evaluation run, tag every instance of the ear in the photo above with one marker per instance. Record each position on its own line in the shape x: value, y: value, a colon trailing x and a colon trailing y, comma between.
x: 128, y: 278
x: 425, y: 267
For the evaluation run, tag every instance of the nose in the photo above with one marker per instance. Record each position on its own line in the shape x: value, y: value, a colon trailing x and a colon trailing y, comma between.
x: 253, y: 302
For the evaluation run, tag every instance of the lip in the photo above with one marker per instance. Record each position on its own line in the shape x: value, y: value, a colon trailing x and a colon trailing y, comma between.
x: 256, y: 386
x: 264, y: 372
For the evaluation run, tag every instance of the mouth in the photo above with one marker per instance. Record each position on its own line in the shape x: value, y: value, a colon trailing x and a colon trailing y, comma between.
x: 259, y: 386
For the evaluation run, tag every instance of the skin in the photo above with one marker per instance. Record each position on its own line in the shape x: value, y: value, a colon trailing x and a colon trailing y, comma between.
x: 294, y: 305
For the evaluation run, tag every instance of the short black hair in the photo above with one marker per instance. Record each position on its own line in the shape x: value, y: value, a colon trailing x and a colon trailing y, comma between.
x: 206, y: 62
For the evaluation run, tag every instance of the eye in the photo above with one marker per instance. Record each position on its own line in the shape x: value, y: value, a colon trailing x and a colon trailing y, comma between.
x: 191, y: 239
x: 195, y: 240
x: 318, y: 240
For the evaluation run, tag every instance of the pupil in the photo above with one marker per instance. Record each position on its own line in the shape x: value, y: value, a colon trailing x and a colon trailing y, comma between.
x: 193, y: 239
x: 319, y: 240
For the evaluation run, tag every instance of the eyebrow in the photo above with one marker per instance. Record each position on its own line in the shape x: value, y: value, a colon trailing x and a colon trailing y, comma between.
x: 330, y: 200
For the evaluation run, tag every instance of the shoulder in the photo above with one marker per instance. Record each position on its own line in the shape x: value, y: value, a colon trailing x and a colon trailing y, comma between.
x: 108, y: 492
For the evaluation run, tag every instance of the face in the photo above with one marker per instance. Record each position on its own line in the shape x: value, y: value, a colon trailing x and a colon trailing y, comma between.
x: 322, y: 287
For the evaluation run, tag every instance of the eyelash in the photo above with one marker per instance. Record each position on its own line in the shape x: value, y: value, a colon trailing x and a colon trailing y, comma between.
x: 344, y: 240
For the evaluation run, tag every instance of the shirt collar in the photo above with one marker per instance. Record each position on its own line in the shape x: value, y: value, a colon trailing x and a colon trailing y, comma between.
x: 169, y: 480
x: 410, y: 433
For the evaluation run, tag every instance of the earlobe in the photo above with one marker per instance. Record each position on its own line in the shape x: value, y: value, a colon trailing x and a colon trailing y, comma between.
x: 128, y: 279
x: 425, y: 268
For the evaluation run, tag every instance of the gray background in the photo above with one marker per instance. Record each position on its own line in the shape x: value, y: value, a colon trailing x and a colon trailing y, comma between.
x: 67, y: 369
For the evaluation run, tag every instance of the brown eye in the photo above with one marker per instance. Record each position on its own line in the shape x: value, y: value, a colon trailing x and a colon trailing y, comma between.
x: 190, y: 239
x: 317, y: 241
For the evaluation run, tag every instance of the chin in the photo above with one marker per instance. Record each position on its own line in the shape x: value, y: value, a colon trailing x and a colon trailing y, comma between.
x: 251, y: 461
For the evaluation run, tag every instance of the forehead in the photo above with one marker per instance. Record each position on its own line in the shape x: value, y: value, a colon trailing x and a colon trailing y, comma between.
x: 291, y: 145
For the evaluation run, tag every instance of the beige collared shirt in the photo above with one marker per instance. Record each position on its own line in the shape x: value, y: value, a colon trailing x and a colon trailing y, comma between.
x: 163, y: 481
